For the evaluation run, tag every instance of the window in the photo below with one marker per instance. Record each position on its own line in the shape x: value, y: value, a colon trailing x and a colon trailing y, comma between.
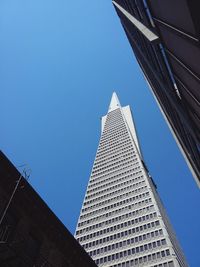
x: 171, y: 264
x: 162, y: 253
x: 158, y: 255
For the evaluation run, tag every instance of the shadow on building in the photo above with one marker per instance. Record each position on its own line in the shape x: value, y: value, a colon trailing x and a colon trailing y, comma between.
x: 30, y: 233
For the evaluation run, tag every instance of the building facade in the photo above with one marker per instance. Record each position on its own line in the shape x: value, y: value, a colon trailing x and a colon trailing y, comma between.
x: 122, y: 222
x: 164, y: 36
x: 30, y: 233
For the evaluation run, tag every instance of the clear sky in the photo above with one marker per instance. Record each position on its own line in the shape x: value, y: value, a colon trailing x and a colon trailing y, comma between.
x: 59, y: 64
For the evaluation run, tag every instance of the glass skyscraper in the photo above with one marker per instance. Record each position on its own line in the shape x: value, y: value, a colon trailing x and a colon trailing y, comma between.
x: 165, y: 38
x: 122, y: 221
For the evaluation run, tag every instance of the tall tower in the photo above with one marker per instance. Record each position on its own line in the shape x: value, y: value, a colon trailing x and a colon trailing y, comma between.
x: 122, y: 221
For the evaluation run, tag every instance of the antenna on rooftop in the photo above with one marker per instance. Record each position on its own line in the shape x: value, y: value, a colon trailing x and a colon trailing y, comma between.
x: 25, y: 173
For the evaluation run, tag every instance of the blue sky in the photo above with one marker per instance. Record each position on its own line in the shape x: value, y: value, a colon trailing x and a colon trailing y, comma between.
x: 60, y: 62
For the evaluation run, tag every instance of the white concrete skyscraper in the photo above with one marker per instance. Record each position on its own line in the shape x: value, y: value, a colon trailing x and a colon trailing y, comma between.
x: 122, y: 221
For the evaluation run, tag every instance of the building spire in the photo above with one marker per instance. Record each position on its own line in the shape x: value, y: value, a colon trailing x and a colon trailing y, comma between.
x: 114, y: 103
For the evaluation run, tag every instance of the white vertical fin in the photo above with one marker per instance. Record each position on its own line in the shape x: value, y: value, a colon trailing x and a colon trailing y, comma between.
x: 131, y: 125
x: 151, y: 36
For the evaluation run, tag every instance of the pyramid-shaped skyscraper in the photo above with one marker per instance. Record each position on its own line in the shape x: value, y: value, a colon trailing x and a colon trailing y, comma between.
x: 122, y: 221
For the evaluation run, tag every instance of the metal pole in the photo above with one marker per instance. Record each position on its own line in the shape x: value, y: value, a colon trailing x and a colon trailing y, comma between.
x: 8, y: 204
x: 13, y: 193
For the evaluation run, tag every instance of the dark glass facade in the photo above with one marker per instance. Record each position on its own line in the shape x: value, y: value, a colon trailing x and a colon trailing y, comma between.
x: 164, y: 36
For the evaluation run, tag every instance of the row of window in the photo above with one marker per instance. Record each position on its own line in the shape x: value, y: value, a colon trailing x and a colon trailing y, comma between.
x: 131, y: 241
x: 108, y: 126
x: 136, y: 191
x: 113, y: 147
x: 91, y: 183
x: 114, y: 158
x: 121, y: 157
x: 115, y: 168
x: 113, y: 124
x: 115, y: 114
x: 112, y: 137
x: 108, y: 151
x: 113, y: 188
x: 122, y: 209
x: 108, y: 138
x: 112, y: 196
x: 117, y: 129
x: 99, y: 159
x: 113, y: 162
x: 107, y: 134
x: 120, y: 234
x: 126, y: 242
x: 113, y: 152
x: 102, y: 203
x: 126, y: 215
x: 114, y: 118
x: 117, y: 142
x: 115, y: 179
x: 142, y: 260
x: 117, y: 204
x: 121, y: 225
x: 132, y: 251
x: 122, y: 254
x: 92, y: 180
